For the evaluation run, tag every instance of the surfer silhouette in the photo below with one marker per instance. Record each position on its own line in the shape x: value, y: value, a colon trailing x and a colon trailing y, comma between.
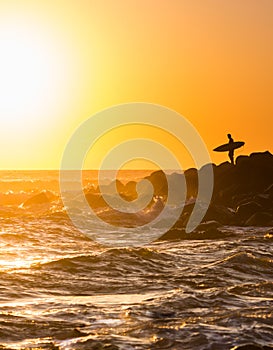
x: 230, y: 147
x: 231, y: 151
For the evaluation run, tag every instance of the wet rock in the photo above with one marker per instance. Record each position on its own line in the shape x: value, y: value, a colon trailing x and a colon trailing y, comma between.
x: 259, y: 219
x: 185, y: 215
x: 221, y: 214
x: 251, y: 175
x: 224, y: 185
x: 246, y: 188
x: 241, y: 160
x: 176, y: 190
x: 112, y: 188
x: 95, y: 200
x: 208, y: 225
x: 246, y: 210
x: 257, y: 172
x: 180, y: 234
x: 189, y: 207
x: 252, y: 347
x: 211, y: 233
x: 240, y: 199
x: 130, y: 189
x: 269, y: 191
x: 226, y: 194
x: 263, y: 199
x: 159, y: 181
x: 173, y: 235
x: 191, y: 176
x: 182, y: 221
x: 223, y: 168
x: 262, y: 158
x: 40, y: 198
x: 218, y: 213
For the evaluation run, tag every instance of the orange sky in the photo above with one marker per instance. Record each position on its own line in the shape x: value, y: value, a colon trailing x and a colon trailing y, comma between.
x: 62, y: 61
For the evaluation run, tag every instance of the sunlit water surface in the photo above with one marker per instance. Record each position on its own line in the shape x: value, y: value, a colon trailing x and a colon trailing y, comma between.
x: 61, y: 290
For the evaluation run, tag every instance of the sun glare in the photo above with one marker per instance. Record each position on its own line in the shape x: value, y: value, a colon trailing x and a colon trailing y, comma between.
x: 33, y: 76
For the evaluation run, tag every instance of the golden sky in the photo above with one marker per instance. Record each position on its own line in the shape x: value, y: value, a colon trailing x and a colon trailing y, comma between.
x: 63, y: 60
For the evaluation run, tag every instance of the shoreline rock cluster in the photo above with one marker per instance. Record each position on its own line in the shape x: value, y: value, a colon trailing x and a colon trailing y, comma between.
x: 242, y: 194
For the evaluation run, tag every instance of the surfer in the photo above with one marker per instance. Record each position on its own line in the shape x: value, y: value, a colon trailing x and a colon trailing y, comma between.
x: 230, y: 147
x: 231, y: 151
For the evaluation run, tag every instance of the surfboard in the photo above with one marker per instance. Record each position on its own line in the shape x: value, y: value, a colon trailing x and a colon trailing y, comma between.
x: 229, y: 146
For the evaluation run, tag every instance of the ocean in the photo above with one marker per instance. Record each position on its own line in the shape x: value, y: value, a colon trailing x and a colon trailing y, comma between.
x: 61, y: 290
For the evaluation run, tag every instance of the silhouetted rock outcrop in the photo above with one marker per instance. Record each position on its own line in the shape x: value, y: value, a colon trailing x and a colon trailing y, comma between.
x: 242, y: 195
x: 252, y: 175
x: 246, y: 210
x: 260, y: 218
x: 43, y: 197
x: 247, y: 188
x: 159, y: 181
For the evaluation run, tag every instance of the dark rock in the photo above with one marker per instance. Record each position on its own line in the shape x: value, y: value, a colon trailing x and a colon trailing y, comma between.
x: 246, y: 187
x: 257, y: 172
x: 182, y: 221
x: 95, y: 200
x: 191, y: 177
x: 189, y: 207
x: 178, y: 189
x: 262, y: 158
x: 259, y: 219
x: 252, y: 347
x: 223, y: 168
x: 241, y: 159
x: 251, y: 175
x: 159, y: 181
x: 269, y: 191
x: 130, y: 189
x: 180, y: 234
x: 40, y: 198
x: 208, y: 225
x: 219, y: 213
x: 210, y: 233
x: 247, y: 347
x: 173, y: 234
x: 226, y: 194
x: 112, y: 187
x: 224, y: 185
x: 263, y: 199
x: 239, y: 199
x: 245, y: 210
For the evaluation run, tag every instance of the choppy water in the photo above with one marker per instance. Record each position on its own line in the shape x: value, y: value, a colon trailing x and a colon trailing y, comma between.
x: 58, y: 289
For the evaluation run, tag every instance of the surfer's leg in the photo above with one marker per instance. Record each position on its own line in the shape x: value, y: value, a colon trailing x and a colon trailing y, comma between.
x: 231, y: 157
